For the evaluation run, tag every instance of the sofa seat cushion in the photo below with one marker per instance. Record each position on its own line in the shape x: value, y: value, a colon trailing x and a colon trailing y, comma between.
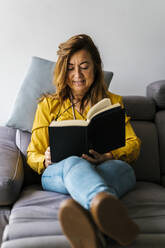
x: 36, y: 204
x: 36, y: 212
x: 146, y: 205
x: 38, y: 242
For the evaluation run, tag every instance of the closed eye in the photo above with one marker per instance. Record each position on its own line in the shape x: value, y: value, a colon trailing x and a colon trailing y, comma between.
x: 84, y: 68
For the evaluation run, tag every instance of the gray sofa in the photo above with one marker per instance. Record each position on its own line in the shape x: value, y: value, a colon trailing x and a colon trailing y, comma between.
x: 29, y: 215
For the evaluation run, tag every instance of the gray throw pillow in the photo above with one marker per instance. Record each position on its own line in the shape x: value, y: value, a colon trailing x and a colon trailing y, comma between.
x: 37, y: 81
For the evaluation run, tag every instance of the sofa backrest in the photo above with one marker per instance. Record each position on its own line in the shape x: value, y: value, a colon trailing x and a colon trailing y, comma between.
x: 160, y: 123
x: 142, y: 111
x: 156, y: 90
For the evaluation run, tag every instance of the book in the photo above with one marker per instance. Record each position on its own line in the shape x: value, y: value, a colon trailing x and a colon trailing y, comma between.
x: 103, y: 131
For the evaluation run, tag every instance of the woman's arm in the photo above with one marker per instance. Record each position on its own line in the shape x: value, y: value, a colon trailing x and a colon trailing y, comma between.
x: 39, y: 139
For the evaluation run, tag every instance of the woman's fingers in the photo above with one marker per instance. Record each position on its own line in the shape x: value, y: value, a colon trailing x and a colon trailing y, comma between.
x: 94, y: 154
x: 89, y: 158
x: 47, y: 153
x: 47, y: 157
x: 96, y: 157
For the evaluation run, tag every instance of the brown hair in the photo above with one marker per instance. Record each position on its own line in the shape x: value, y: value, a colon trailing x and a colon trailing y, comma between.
x: 98, y: 89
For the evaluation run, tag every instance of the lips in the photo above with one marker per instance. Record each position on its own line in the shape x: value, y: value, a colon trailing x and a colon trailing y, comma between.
x: 79, y: 82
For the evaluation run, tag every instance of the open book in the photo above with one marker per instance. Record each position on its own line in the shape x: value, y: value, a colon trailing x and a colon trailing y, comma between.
x: 103, y: 131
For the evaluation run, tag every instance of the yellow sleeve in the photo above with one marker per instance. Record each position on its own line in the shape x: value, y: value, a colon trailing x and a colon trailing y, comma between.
x: 131, y: 150
x: 39, y: 139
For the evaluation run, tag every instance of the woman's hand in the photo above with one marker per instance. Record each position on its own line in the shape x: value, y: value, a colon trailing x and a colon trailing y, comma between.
x: 47, y: 161
x: 97, y: 158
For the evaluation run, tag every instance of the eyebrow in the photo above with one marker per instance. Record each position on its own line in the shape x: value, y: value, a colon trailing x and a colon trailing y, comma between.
x: 84, y: 62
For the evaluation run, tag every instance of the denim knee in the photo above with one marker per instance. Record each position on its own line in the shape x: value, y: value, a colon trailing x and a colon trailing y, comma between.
x: 128, y: 170
x: 127, y: 178
x: 71, y: 162
x: 118, y: 174
x: 125, y: 169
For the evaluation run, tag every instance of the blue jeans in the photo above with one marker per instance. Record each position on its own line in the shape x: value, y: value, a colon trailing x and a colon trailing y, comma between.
x: 83, y: 180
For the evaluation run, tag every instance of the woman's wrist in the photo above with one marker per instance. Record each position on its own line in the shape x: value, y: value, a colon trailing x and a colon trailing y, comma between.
x: 109, y: 155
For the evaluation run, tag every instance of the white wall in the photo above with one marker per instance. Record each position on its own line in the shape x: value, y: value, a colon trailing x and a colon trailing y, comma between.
x: 130, y: 35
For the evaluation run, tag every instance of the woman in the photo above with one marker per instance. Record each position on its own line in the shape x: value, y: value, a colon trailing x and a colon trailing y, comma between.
x: 95, y: 182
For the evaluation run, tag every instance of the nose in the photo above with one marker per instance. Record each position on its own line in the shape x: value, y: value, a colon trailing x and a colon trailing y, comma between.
x: 77, y: 72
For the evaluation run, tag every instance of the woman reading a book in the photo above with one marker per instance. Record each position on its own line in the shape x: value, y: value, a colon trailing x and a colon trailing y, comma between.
x: 94, y: 181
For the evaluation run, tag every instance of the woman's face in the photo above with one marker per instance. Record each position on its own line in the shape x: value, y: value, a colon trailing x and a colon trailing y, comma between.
x: 80, y: 72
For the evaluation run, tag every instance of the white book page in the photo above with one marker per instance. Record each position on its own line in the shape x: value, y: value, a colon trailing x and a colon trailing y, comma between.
x: 98, y: 106
x: 101, y: 106
x: 104, y: 109
x: 68, y: 123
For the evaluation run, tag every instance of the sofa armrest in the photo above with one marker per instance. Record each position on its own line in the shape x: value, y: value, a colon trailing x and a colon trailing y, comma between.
x: 156, y: 90
x: 11, y: 167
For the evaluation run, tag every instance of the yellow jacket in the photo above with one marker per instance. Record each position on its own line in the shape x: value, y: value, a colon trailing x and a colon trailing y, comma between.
x: 47, y: 111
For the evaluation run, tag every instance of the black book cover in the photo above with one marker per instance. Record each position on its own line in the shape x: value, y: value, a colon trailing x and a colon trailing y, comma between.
x: 105, y: 132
